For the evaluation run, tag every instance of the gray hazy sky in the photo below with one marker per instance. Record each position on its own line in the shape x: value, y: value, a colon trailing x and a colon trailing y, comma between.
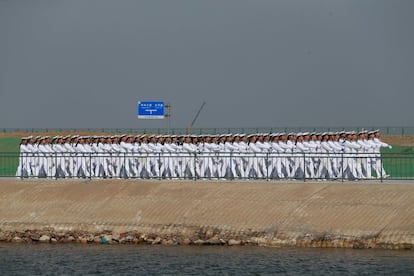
x: 86, y: 63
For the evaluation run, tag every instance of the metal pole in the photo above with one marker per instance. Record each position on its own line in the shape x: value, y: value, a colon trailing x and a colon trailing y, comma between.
x: 159, y: 166
x: 267, y: 166
x: 342, y: 166
x: 381, y: 167
x: 195, y: 166
x: 125, y: 168
x: 90, y: 165
x: 168, y: 115
x: 21, y: 168
x: 56, y: 173
x: 304, y: 167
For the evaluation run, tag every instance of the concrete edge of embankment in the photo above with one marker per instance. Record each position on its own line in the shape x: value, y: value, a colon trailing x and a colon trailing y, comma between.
x: 294, y: 214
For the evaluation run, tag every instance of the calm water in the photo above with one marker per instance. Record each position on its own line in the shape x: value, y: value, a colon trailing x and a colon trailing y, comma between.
x: 77, y: 259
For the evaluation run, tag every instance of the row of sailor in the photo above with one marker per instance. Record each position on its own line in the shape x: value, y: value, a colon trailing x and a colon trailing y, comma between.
x: 261, y: 155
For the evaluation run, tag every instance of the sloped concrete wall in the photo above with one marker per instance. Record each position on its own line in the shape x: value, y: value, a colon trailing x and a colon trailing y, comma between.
x: 272, y: 213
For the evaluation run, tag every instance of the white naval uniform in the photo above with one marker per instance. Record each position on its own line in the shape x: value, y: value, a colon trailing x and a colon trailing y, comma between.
x: 244, y: 150
x: 310, y: 158
x: 33, y: 160
x: 80, y: 166
x: 60, y: 160
x: 292, y: 159
x: 299, y: 169
x: 253, y: 169
x: 325, y: 167
x: 101, y: 168
x: 154, y: 151
x: 23, y: 170
x: 69, y: 155
x: 189, y: 162
x: 350, y: 162
x: 275, y: 162
x: 211, y: 160
x: 377, y: 164
x: 130, y: 169
x: 44, y: 160
x: 364, y: 169
x: 168, y: 162
x: 336, y: 158
x: 228, y: 169
x: 285, y: 157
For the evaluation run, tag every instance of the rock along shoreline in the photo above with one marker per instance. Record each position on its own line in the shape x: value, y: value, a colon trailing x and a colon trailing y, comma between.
x: 205, y: 237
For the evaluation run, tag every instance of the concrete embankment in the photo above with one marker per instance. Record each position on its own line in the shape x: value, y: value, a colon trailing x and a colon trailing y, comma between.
x: 311, y: 214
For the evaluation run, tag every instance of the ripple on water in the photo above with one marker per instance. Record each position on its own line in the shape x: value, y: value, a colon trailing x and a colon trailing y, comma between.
x: 76, y: 259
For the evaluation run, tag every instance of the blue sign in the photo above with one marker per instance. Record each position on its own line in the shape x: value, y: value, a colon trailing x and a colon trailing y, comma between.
x: 150, y: 110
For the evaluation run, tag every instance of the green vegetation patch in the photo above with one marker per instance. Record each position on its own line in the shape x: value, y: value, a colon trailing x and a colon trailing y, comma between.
x: 9, y: 145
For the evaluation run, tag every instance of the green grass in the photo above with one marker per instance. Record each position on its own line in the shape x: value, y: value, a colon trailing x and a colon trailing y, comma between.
x: 398, y: 161
x: 9, y: 144
x: 9, y: 157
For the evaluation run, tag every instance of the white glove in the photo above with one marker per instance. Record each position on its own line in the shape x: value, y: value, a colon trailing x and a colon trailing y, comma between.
x: 390, y: 147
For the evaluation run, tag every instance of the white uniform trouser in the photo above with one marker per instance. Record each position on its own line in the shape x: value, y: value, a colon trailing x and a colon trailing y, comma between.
x: 377, y: 165
x: 24, y: 166
x: 167, y: 165
x: 275, y: 166
x: 206, y: 166
x: 188, y: 166
x: 325, y: 167
x: 228, y: 170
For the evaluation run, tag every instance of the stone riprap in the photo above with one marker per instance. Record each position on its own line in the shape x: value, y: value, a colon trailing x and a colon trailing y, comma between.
x: 311, y: 214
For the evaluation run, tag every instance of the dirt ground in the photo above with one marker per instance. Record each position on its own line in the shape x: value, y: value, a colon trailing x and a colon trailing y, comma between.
x: 398, y: 140
x: 390, y: 139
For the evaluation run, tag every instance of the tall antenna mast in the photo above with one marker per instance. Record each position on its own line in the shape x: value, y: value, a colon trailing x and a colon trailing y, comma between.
x: 195, y: 118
